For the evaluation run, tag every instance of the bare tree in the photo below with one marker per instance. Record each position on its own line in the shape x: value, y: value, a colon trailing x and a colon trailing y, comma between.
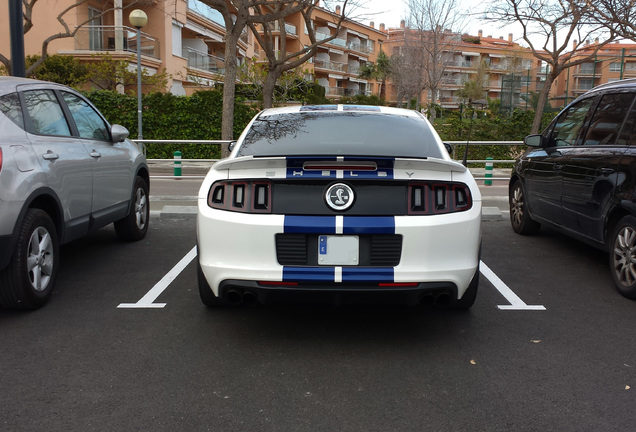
x: 617, y: 15
x: 433, y: 29
x: 237, y: 15
x: 564, y: 27
x: 279, y: 59
x: 65, y: 18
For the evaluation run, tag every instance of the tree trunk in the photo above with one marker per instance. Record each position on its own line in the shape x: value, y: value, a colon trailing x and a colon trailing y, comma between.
x: 229, y: 86
x: 433, y: 105
x: 541, y: 103
x: 268, y: 88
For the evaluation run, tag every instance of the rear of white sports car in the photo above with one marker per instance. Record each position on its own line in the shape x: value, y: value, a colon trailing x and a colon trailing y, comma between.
x: 343, y: 203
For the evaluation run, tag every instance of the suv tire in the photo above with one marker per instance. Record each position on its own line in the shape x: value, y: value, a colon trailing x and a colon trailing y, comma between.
x: 622, y: 256
x: 134, y: 226
x: 520, y: 219
x: 28, y: 281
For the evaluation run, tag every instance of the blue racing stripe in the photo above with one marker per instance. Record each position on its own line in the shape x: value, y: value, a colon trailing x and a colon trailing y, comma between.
x: 362, y: 274
x: 368, y: 225
x: 310, y: 224
x: 309, y: 274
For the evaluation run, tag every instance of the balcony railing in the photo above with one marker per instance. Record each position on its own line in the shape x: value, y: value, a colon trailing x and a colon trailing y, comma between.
x: 342, y: 91
x: 363, y: 48
x: 329, y: 65
x: 111, y: 38
x: 337, y: 41
x: 203, y: 61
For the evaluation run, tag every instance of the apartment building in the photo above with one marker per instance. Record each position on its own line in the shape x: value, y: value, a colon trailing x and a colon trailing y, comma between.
x: 186, y: 38
x: 337, y: 62
x: 613, y: 62
x: 510, y: 71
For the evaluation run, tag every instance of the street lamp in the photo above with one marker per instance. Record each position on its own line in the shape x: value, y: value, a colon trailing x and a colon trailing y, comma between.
x: 138, y: 19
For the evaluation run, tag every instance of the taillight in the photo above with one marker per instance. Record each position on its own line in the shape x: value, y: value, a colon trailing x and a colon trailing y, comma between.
x: 241, y: 196
x: 0, y: 159
x: 429, y: 198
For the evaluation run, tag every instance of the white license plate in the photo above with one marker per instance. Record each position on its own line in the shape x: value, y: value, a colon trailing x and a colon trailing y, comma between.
x: 338, y: 250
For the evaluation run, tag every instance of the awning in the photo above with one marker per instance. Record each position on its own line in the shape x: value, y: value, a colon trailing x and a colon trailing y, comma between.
x: 471, y: 54
x: 497, y: 55
x: 204, y: 31
x: 356, y: 80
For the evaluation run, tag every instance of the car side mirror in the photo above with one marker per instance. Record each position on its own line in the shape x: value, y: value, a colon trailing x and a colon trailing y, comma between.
x: 534, y: 140
x: 118, y: 133
x: 231, y: 146
x: 449, y: 148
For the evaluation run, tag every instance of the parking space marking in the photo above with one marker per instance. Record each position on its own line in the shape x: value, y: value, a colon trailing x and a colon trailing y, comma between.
x: 147, y: 301
x: 515, y: 302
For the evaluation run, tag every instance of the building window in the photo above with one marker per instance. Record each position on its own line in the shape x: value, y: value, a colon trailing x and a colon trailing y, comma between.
x: 615, y: 67
x: 177, y: 49
x: 95, y: 29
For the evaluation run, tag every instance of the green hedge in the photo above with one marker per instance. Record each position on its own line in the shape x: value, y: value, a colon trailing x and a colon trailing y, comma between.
x: 198, y: 117
x: 483, y: 126
x: 170, y: 117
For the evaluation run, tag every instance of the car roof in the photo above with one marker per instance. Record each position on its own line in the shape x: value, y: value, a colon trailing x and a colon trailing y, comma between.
x: 616, y: 85
x: 334, y: 108
x: 9, y: 84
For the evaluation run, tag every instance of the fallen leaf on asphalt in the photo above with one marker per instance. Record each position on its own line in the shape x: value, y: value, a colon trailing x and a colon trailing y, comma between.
x: 473, y: 362
x: 627, y: 387
x: 536, y: 341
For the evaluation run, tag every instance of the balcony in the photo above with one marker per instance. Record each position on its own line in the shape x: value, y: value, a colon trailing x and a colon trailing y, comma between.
x: 585, y: 70
x: 342, y: 91
x: 361, y: 48
x: 203, y: 61
x: 115, y: 39
x: 329, y: 65
x: 337, y: 41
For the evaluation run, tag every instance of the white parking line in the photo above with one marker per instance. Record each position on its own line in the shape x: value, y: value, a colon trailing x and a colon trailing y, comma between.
x: 515, y: 302
x: 147, y: 301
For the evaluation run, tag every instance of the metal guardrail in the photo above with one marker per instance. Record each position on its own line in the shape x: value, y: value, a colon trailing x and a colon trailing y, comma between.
x: 454, y: 144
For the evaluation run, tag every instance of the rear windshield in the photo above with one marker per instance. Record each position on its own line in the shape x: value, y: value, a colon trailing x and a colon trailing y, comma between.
x: 341, y: 133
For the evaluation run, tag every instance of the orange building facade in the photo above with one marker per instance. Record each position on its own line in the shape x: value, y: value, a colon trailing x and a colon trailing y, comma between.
x: 613, y: 62
x: 511, y: 71
x: 186, y: 38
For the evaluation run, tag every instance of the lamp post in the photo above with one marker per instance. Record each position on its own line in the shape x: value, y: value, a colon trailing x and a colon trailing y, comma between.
x: 138, y: 19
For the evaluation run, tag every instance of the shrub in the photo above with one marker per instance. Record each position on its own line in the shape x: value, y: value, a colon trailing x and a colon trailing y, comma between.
x: 170, y: 117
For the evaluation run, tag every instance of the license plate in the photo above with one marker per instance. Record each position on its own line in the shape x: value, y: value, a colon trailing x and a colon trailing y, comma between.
x: 338, y: 250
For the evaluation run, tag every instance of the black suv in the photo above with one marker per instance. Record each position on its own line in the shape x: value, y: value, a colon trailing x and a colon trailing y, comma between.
x: 579, y: 176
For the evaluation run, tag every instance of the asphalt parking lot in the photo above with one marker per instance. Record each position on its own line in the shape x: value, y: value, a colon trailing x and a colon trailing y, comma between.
x: 126, y: 344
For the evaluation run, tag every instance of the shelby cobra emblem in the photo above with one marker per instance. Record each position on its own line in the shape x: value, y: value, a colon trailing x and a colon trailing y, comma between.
x: 339, y: 196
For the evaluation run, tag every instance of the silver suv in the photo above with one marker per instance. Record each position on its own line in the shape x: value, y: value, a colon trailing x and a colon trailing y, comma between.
x: 64, y: 172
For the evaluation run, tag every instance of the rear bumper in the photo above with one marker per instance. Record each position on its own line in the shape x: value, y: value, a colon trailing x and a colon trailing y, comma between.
x: 250, y: 292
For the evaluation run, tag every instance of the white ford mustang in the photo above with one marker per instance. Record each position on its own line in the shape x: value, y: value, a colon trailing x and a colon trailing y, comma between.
x: 342, y: 202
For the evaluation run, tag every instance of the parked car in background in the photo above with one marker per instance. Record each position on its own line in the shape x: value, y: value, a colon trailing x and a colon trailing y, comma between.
x: 579, y: 176
x: 339, y: 203
x: 64, y: 172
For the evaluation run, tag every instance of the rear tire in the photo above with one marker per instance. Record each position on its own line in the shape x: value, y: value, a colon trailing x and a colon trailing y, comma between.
x: 622, y: 256
x: 134, y: 226
x: 28, y: 282
x: 520, y: 219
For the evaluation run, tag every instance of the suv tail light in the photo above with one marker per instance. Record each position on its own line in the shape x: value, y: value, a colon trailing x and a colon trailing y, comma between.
x: 429, y: 198
x: 241, y: 196
x: 0, y: 159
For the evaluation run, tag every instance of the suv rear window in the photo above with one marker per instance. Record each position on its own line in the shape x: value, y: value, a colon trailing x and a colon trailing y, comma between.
x: 348, y: 133
x: 608, y: 118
